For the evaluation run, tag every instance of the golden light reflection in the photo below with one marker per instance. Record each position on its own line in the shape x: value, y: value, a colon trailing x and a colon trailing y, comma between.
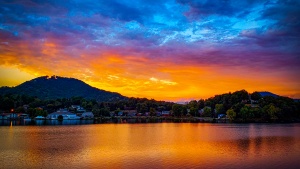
x: 157, y: 145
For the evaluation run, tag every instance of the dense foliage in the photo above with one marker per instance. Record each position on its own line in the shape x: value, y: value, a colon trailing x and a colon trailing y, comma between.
x: 239, y: 106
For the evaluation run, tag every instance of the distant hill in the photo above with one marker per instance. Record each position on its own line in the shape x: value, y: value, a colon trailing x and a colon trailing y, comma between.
x: 60, y: 87
x: 263, y: 94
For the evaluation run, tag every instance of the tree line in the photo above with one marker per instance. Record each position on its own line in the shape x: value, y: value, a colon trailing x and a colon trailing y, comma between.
x: 239, y: 106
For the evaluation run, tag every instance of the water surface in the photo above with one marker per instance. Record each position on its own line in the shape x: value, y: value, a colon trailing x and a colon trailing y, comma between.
x: 151, y: 145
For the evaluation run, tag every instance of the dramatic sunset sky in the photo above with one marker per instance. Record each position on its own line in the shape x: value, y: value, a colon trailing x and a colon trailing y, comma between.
x: 162, y: 49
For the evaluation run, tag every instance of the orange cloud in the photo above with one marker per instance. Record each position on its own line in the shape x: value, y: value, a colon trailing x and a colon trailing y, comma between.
x: 137, y: 75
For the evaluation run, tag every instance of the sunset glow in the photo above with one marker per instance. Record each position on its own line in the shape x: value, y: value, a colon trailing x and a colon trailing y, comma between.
x: 166, y: 50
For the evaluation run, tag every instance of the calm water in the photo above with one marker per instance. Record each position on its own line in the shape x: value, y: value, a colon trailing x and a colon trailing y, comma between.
x: 152, y: 145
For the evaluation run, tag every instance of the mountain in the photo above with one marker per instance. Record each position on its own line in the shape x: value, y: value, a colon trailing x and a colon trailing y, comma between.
x: 60, y: 87
x: 263, y: 94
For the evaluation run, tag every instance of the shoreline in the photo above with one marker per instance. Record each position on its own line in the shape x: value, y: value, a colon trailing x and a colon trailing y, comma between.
x: 134, y: 120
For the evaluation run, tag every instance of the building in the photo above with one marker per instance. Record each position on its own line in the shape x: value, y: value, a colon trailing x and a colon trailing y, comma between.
x: 158, y: 113
x: 165, y: 113
x: 221, y: 116
x: 24, y: 116
x: 65, y: 114
x: 130, y: 112
x: 87, y: 115
x: 4, y: 116
x: 78, y: 108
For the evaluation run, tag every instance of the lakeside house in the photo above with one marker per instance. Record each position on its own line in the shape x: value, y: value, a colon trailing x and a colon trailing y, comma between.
x: 4, y: 116
x: 165, y: 113
x: 39, y: 117
x: 221, y: 116
x: 87, y: 115
x: 77, y: 108
x: 130, y: 113
x: 64, y: 113
x: 12, y: 116
x: 24, y: 116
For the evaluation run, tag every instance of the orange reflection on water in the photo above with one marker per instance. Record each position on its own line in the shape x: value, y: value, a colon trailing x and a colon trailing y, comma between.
x: 160, y: 145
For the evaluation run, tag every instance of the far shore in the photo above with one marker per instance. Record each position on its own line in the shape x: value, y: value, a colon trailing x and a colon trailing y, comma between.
x: 158, y: 119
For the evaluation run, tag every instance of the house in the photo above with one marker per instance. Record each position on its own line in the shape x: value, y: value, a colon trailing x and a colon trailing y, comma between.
x: 78, y: 108
x: 4, y: 116
x: 112, y: 113
x: 120, y: 113
x: 24, y: 116
x: 158, y: 114
x: 12, y: 116
x: 87, y: 115
x: 221, y: 116
x: 165, y: 113
x: 201, y: 111
x: 75, y: 106
x: 64, y: 113
x: 130, y: 112
x: 25, y: 106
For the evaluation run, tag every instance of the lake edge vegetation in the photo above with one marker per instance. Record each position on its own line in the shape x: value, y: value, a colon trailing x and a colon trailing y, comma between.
x: 238, y: 107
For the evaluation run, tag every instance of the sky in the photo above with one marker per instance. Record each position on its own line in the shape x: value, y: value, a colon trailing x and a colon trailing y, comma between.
x: 172, y: 50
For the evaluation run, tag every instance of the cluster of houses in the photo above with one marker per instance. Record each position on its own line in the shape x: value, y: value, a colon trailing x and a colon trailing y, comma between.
x: 59, y: 114
x: 81, y: 113
x: 13, y: 116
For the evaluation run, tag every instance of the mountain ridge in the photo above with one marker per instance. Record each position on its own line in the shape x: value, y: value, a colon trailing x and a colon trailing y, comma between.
x: 54, y: 87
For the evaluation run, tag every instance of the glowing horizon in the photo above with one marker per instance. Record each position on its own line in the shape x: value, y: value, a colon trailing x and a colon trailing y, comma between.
x: 165, y: 50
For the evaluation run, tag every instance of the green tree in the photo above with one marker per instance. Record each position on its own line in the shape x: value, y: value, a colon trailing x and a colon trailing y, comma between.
x: 256, y: 111
x: 246, y: 113
x: 20, y: 110
x: 117, y: 111
x: 7, y: 103
x: 272, y: 111
x: 219, y: 109
x: 201, y: 104
x: 206, y: 112
x: 104, y: 112
x: 96, y: 112
x: 141, y: 108
x: 60, y: 118
x: 231, y: 114
x: 152, y: 111
x: 179, y: 110
x: 176, y: 108
x: 237, y: 107
x: 184, y: 110
x: 193, y: 106
x: 39, y: 112
x: 89, y: 106
x: 193, y: 111
x: 255, y: 96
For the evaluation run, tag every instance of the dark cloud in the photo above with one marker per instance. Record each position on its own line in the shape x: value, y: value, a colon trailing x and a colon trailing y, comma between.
x: 202, y: 8
x: 283, y: 30
x: 173, y: 29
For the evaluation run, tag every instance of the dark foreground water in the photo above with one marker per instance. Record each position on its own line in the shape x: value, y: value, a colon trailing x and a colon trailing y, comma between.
x: 151, y: 145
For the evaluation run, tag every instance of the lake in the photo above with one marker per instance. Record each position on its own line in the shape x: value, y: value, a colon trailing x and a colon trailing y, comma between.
x: 151, y: 145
